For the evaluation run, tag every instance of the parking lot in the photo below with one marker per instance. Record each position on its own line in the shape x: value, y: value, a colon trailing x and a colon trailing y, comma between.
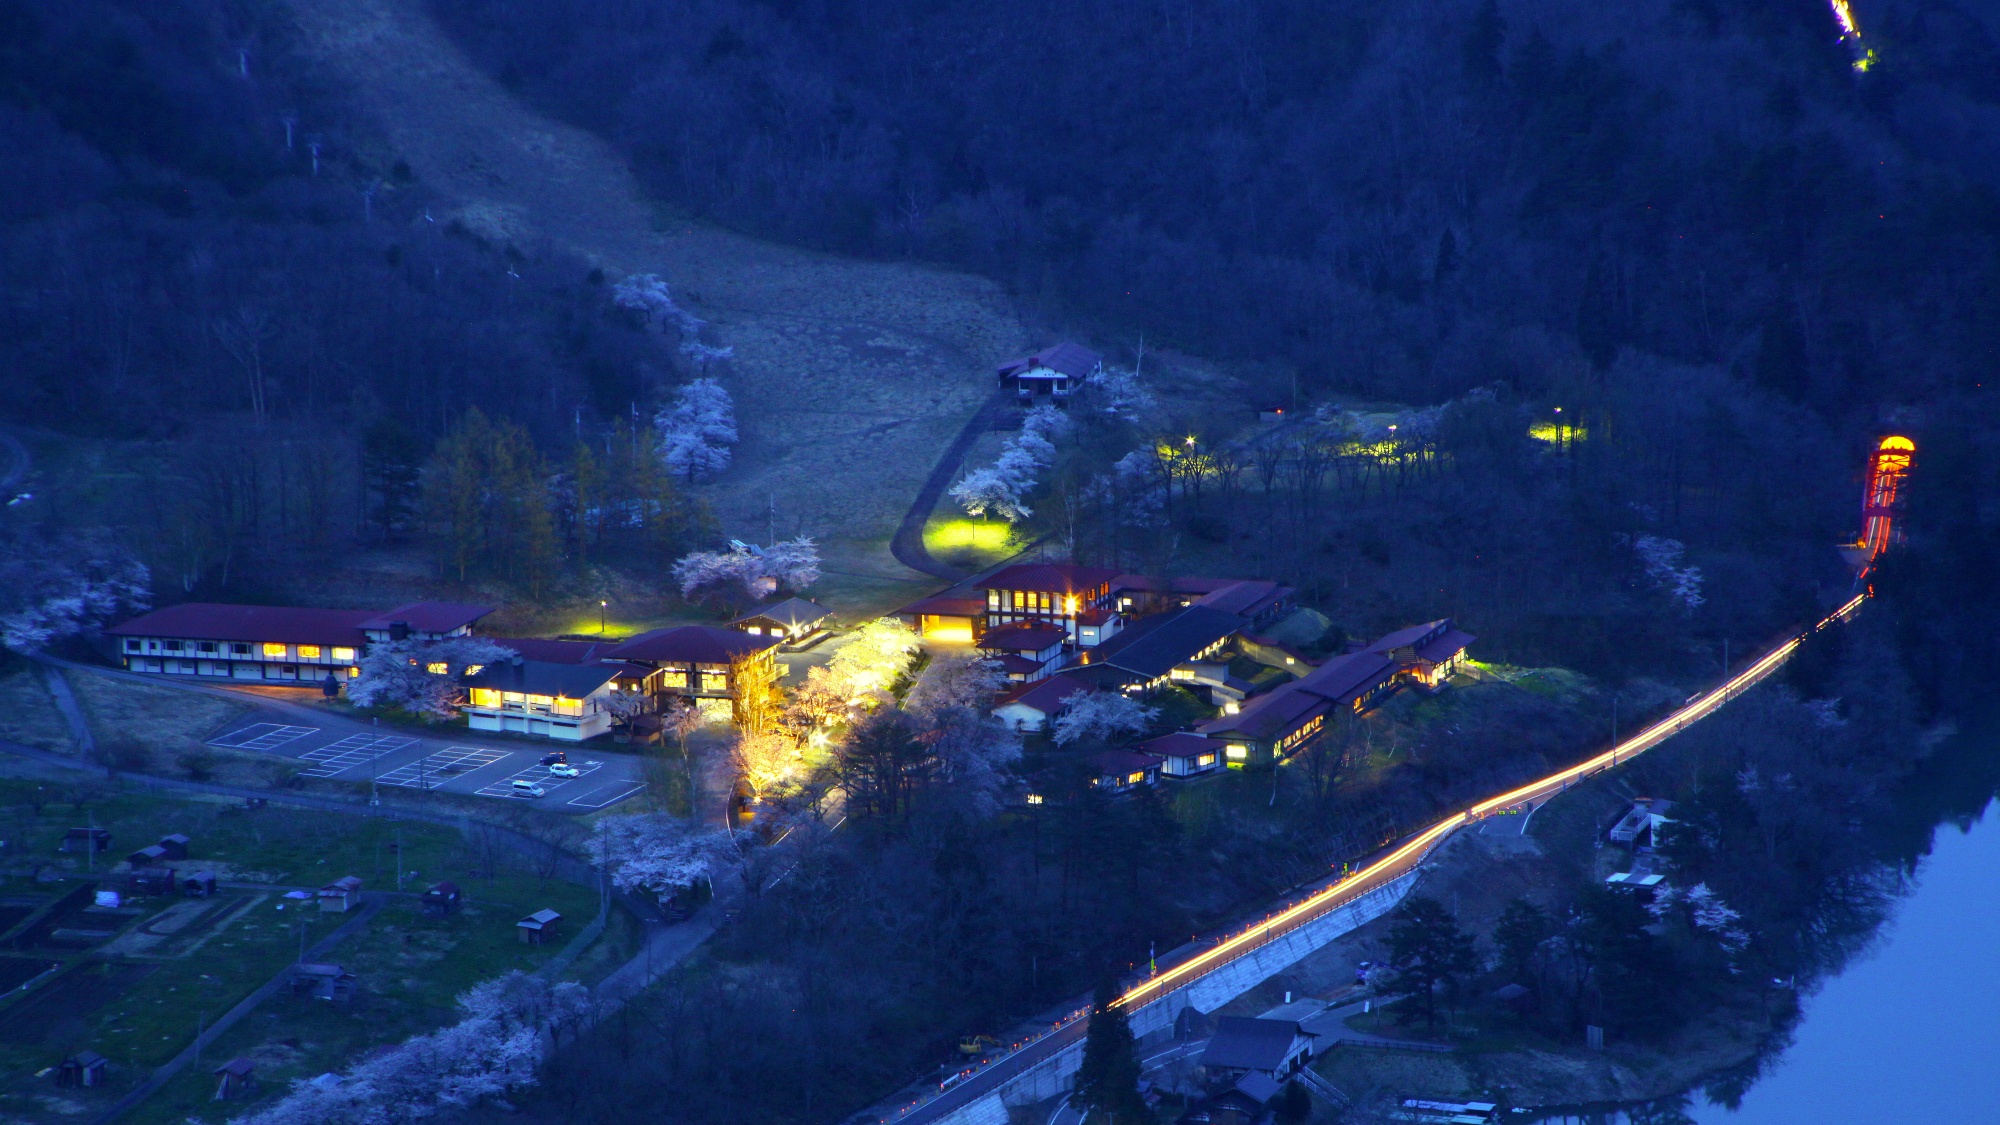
x: 412, y: 762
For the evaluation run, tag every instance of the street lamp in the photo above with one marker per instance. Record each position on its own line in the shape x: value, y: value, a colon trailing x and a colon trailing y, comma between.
x: 600, y: 617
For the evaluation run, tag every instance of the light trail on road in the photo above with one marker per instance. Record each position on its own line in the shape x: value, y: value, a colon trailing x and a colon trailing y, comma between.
x: 1406, y: 857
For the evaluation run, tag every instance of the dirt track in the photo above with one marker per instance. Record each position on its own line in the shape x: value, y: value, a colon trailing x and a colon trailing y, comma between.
x: 850, y: 376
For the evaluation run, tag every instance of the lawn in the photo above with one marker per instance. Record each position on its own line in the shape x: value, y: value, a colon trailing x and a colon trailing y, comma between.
x: 166, y: 720
x: 177, y: 963
x: 27, y: 712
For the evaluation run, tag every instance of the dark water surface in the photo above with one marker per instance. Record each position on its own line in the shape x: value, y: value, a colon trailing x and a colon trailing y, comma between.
x: 1910, y: 1032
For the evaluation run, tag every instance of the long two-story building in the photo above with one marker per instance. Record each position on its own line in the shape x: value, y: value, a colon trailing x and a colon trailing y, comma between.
x: 277, y: 644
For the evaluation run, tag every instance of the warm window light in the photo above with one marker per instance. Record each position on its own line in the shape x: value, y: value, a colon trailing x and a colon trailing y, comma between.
x: 437, y: 669
x: 1231, y: 707
x: 271, y: 649
x: 1237, y: 753
x: 308, y: 652
x: 474, y: 669
x: 1034, y: 798
x: 345, y: 655
x: 754, y: 630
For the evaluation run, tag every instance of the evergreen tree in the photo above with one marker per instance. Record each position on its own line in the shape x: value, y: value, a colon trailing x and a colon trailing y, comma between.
x: 1107, y: 1084
x: 391, y: 466
x: 1427, y: 949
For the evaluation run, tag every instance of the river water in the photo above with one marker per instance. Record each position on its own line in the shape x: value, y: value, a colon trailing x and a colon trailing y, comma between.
x: 1911, y: 1031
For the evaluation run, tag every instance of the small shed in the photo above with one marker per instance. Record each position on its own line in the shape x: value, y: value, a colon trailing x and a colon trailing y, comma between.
x: 173, y: 846
x: 150, y: 881
x: 237, y: 1076
x: 1241, y: 1045
x: 793, y: 621
x: 85, y: 1068
x: 323, y: 982
x: 147, y: 856
x: 87, y: 840
x: 201, y: 884
x: 538, y: 927
x: 341, y: 895
x: 441, y: 900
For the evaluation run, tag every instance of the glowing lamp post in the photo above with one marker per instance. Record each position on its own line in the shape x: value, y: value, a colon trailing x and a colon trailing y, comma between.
x: 600, y: 617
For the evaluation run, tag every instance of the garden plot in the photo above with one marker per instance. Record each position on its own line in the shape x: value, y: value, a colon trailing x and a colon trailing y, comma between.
x: 540, y: 776
x: 354, y: 750
x: 261, y: 736
x: 182, y: 928
x: 434, y: 770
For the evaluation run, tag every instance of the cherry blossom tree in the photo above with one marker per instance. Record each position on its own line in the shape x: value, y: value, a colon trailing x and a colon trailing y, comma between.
x: 1101, y: 716
x: 508, y: 1026
x: 658, y: 852
x: 646, y: 294
x: 697, y: 430
x: 1661, y: 558
x: 760, y: 571
x: 872, y: 658
x: 422, y: 676
x: 58, y: 586
x: 999, y: 488
x: 976, y: 751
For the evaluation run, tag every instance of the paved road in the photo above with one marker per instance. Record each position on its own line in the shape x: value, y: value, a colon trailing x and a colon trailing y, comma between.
x: 328, y: 744
x: 1374, y: 874
x: 908, y: 543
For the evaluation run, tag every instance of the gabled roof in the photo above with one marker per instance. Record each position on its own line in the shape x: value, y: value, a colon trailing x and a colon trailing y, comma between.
x: 792, y: 613
x: 1442, y: 648
x: 1409, y: 635
x: 430, y: 617
x: 1153, y: 646
x: 1122, y: 762
x: 1073, y: 360
x: 1022, y: 638
x: 1015, y: 664
x: 699, y: 644
x: 1046, y: 696
x: 1183, y: 585
x: 1268, y: 716
x: 555, y: 652
x: 1346, y: 678
x: 1245, y: 598
x: 1066, y: 578
x: 539, y: 677
x: 1241, y: 1043
x: 209, y: 621
x: 1181, y: 744
x: 945, y: 605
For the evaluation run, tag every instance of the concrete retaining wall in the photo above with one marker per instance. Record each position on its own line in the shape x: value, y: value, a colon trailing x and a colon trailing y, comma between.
x: 1051, y: 1077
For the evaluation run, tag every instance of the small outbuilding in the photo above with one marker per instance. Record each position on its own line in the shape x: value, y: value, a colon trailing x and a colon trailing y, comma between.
x: 147, y: 856
x: 323, y: 982
x: 340, y: 896
x: 96, y: 840
x: 237, y: 1076
x: 1240, y: 1046
x: 794, y: 621
x: 1121, y: 771
x: 201, y: 884
x: 151, y: 881
x: 537, y: 928
x: 174, y: 846
x: 85, y: 1068
x: 441, y: 900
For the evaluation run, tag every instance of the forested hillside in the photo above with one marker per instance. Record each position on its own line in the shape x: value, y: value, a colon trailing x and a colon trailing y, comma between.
x: 1406, y: 200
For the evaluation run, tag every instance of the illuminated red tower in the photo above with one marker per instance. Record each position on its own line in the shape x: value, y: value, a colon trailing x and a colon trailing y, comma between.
x: 1886, y: 475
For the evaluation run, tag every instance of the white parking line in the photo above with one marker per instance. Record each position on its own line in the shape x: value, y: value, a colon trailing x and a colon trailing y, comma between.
x: 268, y: 736
x: 541, y: 776
x: 434, y: 770
x: 605, y: 796
x: 354, y: 750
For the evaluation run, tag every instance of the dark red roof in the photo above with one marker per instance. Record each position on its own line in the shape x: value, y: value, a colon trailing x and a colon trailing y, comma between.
x: 1046, y: 696
x: 698, y: 644
x: 429, y: 617
x: 1184, y: 585
x: 1022, y: 638
x: 945, y: 605
x: 1067, y: 578
x: 208, y: 621
x: 1246, y: 598
x: 1410, y: 635
x: 1015, y: 665
x: 1073, y: 360
x: 1347, y: 678
x: 1441, y: 649
x: 1122, y: 762
x: 1180, y: 744
x: 555, y: 652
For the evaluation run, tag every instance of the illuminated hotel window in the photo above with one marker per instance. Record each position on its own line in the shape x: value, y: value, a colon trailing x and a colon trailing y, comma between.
x: 437, y: 669
x: 344, y: 654
x: 308, y: 652
x: 273, y: 649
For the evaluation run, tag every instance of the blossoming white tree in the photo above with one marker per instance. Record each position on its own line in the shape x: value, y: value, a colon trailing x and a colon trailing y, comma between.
x: 421, y: 676
x: 647, y: 294
x: 1101, y: 716
x: 1662, y: 559
x: 657, y: 852
x: 57, y: 586
x: 508, y: 1026
x: 761, y: 571
x: 872, y: 658
x: 976, y: 751
x: 999, y: 489
x: 697, y: 430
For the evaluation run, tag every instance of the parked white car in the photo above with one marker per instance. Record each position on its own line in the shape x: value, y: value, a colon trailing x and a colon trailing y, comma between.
x: 563, y: 769
x: 525, y: 788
